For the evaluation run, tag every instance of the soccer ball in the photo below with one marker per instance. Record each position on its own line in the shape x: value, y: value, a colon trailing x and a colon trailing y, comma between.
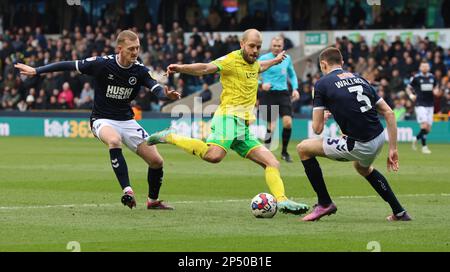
x: 264, y: 205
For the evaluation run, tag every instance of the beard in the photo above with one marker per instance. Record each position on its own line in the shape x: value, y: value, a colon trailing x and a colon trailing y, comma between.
x: 248, y: 58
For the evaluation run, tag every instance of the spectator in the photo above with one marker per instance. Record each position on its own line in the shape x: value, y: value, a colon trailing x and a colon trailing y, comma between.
x: 65, y: 97
x: 10, y: 81
x: 361, y: 66
x: 22, y: 105
x: 193, y: 14
x: 6, y: 97
x: 142, y: 101
x: 53, y: 103
x: 8, y: 68
x: 214, y: 19
x: 396, y: 83
x: 385, y: 92
x: 357, y: 14
x: 41, y: 100
x: 310, y: 70
x: 410, y: 67
x: 304, y: 104
x: 438, y: 65
x: 177, y: 32
x: 400, y: 110
x: 10, y: 99
x: 86, y: 100
x: 206, y: 93
x: 445, y: 102
x: 31, y: 99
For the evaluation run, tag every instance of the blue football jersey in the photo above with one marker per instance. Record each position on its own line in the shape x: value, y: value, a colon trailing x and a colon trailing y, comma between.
x: 115, y: 86
x: 352, y: 101
x: 423, y: 86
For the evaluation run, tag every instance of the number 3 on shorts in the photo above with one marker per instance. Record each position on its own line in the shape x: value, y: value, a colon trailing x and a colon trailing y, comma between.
x: 332, y: 141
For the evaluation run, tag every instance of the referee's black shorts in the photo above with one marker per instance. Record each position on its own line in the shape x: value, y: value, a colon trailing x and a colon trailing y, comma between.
x: 282, y: 99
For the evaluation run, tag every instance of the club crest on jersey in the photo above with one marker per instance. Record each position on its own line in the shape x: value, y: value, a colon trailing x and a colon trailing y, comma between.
x: 132, y: 80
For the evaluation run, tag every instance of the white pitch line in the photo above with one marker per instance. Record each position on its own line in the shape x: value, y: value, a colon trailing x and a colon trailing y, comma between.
x: 194, y: 202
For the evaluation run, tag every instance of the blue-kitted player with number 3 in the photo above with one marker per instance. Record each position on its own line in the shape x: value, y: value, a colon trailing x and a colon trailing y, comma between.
x: 354, y: 105
x: 117, y: 80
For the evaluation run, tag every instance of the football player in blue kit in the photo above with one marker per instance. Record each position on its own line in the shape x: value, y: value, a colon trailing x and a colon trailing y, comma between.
x: 117, y: 80
x: 421, y: 89
x: 354, y: 105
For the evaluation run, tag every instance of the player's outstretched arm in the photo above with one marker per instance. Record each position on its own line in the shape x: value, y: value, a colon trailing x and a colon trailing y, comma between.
x: 266, y: 64
x: 384, y: 109
x: 195, y: 69
x: 53, y: 67
x: 25, y: 69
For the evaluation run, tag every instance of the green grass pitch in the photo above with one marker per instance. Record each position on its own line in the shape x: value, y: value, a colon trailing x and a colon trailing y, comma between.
x: 54, y: 191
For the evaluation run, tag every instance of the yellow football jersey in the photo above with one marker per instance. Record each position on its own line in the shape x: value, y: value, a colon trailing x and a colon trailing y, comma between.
x: 240, y: 85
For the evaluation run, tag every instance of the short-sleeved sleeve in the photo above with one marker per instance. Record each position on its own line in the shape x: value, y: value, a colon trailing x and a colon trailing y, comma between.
x: 318, y: 96
x: 373, y: 94
x: 413, y: 82
x: 224, y: 63
x: 375, y: 97
x: 89, y: 66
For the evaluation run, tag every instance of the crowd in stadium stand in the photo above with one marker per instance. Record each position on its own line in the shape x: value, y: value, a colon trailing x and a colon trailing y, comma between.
x: 387, y: 66
x: 70, y: 90
x: 214, y: 16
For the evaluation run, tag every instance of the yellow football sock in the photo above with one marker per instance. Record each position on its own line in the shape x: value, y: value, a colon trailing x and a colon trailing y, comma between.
x: 275, y: 183
x: 190, y: 145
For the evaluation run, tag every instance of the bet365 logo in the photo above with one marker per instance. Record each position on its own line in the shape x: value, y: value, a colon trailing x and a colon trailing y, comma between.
x: 73, y: 2
x: 374, y: 2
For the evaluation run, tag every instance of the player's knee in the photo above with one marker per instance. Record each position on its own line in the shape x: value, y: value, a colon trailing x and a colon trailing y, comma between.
x: 301, y: 148
x: 363, y: 171
x: 156, y: 162
x: 115, y: 142
x: 273, y: 163
x: 213, y: 158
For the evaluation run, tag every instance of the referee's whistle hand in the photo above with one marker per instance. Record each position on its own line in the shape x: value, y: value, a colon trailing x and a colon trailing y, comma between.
x: 281, y: 56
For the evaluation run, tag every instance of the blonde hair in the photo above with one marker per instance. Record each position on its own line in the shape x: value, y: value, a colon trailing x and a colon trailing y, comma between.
x: 126, y: 35
x: 248, y: 32
x: 278, y: 38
